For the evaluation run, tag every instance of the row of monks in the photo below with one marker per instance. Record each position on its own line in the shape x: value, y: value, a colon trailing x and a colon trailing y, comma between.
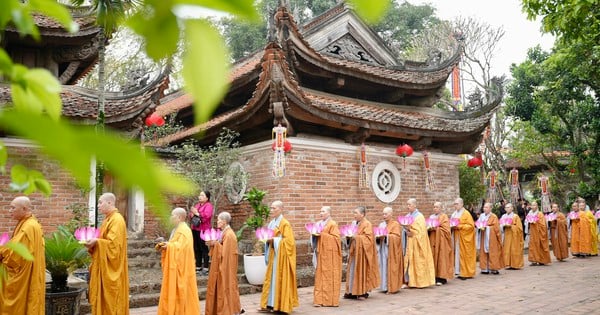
x: 418, y: 256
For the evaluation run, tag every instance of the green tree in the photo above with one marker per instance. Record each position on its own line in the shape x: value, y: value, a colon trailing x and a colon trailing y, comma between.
x: 471, y: 186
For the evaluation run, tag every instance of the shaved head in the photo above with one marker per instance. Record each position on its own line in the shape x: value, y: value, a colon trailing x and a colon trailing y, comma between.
x: 20, y: 207
x: 388, y: 210
x: 179, y: 212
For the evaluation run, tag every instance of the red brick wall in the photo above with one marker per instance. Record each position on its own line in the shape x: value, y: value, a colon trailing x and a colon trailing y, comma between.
x: 51, y: 211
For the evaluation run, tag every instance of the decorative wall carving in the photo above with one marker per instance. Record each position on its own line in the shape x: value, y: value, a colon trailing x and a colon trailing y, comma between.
x: 385, y: 181
x: 346, y: 47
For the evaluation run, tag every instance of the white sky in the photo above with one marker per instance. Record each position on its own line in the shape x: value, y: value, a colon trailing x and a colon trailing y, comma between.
x: 521, y: 34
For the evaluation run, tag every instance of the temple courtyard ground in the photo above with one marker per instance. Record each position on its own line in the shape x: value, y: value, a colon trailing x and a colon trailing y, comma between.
x: 569, y: 287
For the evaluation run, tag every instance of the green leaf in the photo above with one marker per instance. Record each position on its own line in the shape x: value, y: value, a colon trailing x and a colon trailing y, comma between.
x: 57, y: 11
x: 205, y: 67
x: 35, y: 90
x: 21, y: 17
x: 5, y: 62
x: 74, y: 147
x: 20, y: 250
x: 160, y: 30
x: 240, y: 8
x: 3, y: 157
x: 19, y: 174
x: 370, y: 10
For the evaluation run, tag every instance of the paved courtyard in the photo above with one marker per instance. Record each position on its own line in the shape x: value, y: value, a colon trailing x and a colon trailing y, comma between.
x: 570, y: 287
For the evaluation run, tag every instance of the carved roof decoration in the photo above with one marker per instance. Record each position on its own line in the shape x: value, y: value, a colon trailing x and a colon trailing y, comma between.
x: 292, y: 83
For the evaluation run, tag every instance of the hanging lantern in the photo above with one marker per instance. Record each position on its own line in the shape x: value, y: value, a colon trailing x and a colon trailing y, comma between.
x: 492, y: 193
x: 404, y: 151
x: 279, y: 135
x: 514, y: 186
x: 154, y: 120
x: 287, y: 146
x: 362, y: 179
x: 545, y: 200
x: 429, y: 182
x: 475, y: 162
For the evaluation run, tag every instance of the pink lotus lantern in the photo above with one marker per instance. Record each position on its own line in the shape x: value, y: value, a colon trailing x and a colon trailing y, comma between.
x: 432, y: 223
x: 380, y: 231
x: 573, y: 215
x: 211, y: 235
x: 86, y: 234
x: 264, y: 234
x: 505, y: 221
x: 4, y: 238
x: 314, y: 228
x: 406, y: 220
x: 531, y: 218
x: 550, y: 217
x: 597, y: 214
x: 349, y: 230
x: 480, y: 224
x: 454, y: 222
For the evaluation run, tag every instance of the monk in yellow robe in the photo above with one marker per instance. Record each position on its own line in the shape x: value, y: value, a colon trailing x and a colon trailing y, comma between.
x: 558, y: 234
x: 512, y: 245
x: 593, y: 226
x: 581, y: 238
x: 489, y: 242
x: 362, y: 270
x: 178, y: 292
x: 419, y: 271
x: 279, y: 291
x: 539, y: 251
x: 389, y: 249
x: 441, y: 246
x: 463, y: 236
x: 25, y: 288
x: 109, y: 277
x: 328, y: 261
x: 222, y: 293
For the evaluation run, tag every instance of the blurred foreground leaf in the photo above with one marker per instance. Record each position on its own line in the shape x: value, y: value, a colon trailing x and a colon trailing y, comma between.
x: 370, y: 10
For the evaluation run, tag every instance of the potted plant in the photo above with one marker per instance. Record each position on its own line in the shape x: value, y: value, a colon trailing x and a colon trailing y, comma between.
x: 254, y: 264
x: 64, y: 254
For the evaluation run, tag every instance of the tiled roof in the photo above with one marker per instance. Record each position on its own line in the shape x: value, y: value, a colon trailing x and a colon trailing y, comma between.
x: 43, y: 21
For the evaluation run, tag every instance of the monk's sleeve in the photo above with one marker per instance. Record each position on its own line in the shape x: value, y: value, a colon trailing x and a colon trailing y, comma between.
x: 108, y: 251
x: 287, y: 243
x: 12, y: 260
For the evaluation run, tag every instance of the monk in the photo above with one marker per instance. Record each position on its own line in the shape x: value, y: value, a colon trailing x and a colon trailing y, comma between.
x: 581, y: 239
x: 512, y: 245
x: 558, y: 234
x: 279, y: 291
x: 389, y: 248
x: 222, y: 293
x: 593, y: 226
x: 178, y: 292
x: 25, y: 288
x: 328, y: 261
x: 489, y: 241
x: 109, y: 276
x: 441, y: 246
x: 539, y: 252
x: 463, y: 236
x: 418, y: 261
x: 362, y: 270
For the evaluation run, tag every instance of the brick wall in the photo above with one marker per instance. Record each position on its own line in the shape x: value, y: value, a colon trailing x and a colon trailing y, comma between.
x: 51, y: 211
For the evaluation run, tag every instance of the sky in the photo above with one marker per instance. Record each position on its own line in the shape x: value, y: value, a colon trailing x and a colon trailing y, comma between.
x: 521, y: 34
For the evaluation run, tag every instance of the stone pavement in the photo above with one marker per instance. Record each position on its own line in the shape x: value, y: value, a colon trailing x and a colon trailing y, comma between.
x: 570, y: 287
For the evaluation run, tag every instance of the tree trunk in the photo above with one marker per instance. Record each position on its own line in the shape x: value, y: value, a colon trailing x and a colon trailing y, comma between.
x: 100, y: 117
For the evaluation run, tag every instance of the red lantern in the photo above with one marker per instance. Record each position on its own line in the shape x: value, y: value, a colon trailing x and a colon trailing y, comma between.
x: 404, y: 150
x: 154, y: 120
x: 475, y: 162
x: 287, y: 146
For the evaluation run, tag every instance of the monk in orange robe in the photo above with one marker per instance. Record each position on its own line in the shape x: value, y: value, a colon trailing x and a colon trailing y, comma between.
x: 222, y: 293
x: 25, y: 288
x: 593, y: 226
x: 328, y: 260
x: 512, y: 245
x: 558, y: 234
x: 362, y: 270
x: 109, y: 277
x: 441, y: 246
x: 489, y: 242
x: 389, y: 249
x: 539, y: 251
x: 418, y: 260
x: 463, y: 236
x: 178, y: 292
x: 581, y: 239
x: 279, y: 291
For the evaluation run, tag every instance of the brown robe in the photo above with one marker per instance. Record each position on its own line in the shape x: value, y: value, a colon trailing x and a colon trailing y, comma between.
x: 395, y: 265
x: 512, y: 247
x: 222, y: 293
x: 581, y: 238
x: 558, y: 236
x: 539, y: 250
x: 328, y: 274
x: 441, y: 247
x: 492, y: 260
x: 362, y: 266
